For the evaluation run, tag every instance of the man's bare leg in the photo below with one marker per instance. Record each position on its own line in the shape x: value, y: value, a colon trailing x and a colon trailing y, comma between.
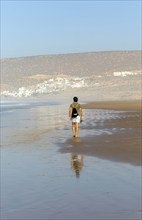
x: 76, y: 129
x: 73, y: 129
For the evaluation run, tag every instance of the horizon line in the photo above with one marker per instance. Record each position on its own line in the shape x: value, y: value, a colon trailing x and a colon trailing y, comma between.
x: 58, y: 54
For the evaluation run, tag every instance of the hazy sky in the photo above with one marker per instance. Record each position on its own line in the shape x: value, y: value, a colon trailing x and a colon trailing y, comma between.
x: 56, y: 27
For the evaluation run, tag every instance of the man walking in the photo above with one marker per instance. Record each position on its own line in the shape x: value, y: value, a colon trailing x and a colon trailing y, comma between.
x: 75, y: 114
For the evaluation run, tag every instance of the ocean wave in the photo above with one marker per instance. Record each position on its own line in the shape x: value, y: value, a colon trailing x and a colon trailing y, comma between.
x: 49, y: 86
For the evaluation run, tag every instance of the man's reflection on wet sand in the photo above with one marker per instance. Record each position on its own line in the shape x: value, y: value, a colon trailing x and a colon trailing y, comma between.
x: 76, y: 163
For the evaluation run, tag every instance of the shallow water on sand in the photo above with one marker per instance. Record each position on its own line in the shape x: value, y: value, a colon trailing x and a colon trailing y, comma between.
x: 40, y: 182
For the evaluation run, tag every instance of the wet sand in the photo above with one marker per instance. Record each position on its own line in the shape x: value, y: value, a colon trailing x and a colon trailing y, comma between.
x: 124, y: 145
x: 40, y: 162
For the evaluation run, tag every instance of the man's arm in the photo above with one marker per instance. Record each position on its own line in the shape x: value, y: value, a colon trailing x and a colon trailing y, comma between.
x: 80, y: 113
x: 70, y: 111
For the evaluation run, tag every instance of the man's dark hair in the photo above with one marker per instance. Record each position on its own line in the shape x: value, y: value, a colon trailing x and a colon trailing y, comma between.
x: 75, y: 99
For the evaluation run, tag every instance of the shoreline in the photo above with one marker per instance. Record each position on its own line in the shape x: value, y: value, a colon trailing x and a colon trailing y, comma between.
x: 43, y: 167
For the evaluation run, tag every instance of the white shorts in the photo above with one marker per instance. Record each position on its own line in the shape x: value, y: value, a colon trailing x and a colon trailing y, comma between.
x: 77, y: 119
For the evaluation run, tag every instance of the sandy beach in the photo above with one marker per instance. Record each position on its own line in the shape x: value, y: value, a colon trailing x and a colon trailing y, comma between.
x: 125, y: 144
x: 48, y: 174
x: 116, y: 105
